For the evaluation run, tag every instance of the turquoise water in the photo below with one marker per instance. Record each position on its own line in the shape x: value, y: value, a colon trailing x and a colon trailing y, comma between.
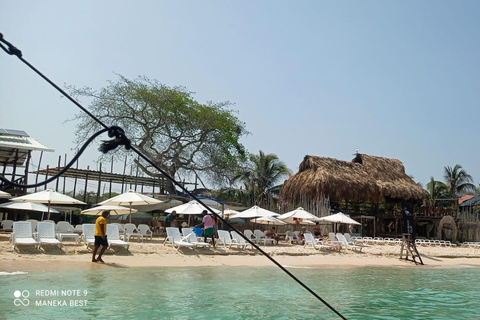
x: 244, y: 293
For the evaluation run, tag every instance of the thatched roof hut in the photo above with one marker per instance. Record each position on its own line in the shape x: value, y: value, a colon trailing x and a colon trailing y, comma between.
x: 366, y: 178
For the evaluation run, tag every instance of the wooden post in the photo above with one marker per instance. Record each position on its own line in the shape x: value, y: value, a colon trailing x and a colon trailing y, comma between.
x: 75, y: 181
x: 27, y: 164
x: 111, y: 171
x: 99, y: 182
x: 15, y: 165
x: 46, y: 177
x: 124, y: 169
x: 58, y: 169
x: 86, y: 184
x: 64, y: 178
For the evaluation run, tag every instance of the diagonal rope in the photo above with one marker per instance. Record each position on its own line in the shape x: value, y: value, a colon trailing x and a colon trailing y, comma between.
x: 120, y: 139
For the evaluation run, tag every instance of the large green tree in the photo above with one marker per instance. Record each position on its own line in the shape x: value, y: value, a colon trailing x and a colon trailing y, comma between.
x: 437, y: 190
x: 457, y: 180
x: 183, y: 137
x: 262, y: 173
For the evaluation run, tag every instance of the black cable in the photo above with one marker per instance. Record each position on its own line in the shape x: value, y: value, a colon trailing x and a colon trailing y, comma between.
x: 120, y: 139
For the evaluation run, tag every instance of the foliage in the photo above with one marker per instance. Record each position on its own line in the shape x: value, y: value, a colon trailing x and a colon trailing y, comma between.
x: 437, y: 190
x: 262, y: 173
x: 457, y: 180
x: 180, y: 135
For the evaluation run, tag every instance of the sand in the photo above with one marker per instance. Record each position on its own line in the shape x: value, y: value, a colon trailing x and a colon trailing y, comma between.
x: 152, y: 253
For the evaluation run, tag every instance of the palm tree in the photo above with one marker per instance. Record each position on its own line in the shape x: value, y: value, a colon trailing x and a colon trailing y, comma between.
x: 437, y: 190
x: 262, y: 173
x: 457, y: 180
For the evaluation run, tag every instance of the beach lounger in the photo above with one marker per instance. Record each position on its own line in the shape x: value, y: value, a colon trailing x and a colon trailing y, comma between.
x: 46, y: 235
x: 65, y: 230
x: 34, y: 223
x: 88, y: 235
x: 249, y: 234
x: 192, y: 238
x: 144, y: 231
x: 7, y: 225
x: 260, y: 236
x: 78, y: 229
x: 225, y: 239
x: 344, y: 243
x: 290, y: 237
x: 131, y: 231
x: 333, y: 239
x: 22, y: 235
x: 315, y: 243
x: 177, y: 240
x: 113, y: 237
x: 237, y: 238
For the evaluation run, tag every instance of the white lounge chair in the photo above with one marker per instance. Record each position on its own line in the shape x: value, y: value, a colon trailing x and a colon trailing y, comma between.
x: 190, y: 237
x: 65, y: 230
x: 88, y: 235
x: 144, y: 231
x: 131, y: 231
x: 249, y: 234
x: 22, y: 235
x: 333, y: 239
x: 46, y: 234
x: 260, y: 236
x: 7, y: 225
x: 113, y: 237
x: 176, y: 239
x: 315, y: 243
x: 225, y: 239
x: 34, y: 223
x: 78, y: 229
x: 237, y: 238
x: 344, y: 243
x: 291, y: 237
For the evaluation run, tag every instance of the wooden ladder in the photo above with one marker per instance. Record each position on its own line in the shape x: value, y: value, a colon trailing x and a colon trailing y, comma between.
x: 409, y: 248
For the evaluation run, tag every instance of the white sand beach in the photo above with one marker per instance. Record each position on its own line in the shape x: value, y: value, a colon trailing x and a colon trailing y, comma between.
x: 153, y: 253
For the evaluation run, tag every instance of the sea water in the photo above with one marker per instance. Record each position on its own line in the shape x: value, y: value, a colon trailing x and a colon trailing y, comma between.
x: 242, y: 293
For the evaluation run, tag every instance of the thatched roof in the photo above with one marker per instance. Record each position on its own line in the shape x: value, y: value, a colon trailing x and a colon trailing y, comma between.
x: 365, y: 178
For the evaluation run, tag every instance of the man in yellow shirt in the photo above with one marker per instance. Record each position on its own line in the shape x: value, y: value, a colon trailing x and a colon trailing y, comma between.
x: 100, y: 236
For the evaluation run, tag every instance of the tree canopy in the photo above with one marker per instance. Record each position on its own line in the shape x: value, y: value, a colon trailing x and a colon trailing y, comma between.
x: 263, y: 171
x: 183, y: 137
x: 457, y: 180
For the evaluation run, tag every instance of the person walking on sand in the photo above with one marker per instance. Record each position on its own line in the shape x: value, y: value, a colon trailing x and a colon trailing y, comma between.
x: 100, y: 236
x: 208, y: 227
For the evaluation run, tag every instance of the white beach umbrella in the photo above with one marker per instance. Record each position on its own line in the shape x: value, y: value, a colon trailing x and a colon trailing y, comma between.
x: 299, y: 213
x: 230, y: 212
x: 29, y: 206
x: 192, y: 207
x: 130, y: 198
x: 114, y: 210
x: 255, y: 212
x: 268, y: 220
x: 4, y: 194
x: 48, y: 197
x: 339, y: 218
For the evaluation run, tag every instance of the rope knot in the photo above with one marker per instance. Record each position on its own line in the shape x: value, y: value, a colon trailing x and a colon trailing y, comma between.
x: 119, y: 139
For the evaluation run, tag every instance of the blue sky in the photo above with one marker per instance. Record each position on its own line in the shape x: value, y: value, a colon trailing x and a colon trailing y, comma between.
x: 397, y: 79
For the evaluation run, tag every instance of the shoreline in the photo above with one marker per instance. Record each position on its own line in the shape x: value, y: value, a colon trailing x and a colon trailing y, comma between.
x: 152, y: 253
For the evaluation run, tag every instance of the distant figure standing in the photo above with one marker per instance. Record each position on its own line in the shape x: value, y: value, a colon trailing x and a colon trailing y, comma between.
x: 100, y: 236
x: 316, y: 231
x: 208, y: 227
x: 171, y: 219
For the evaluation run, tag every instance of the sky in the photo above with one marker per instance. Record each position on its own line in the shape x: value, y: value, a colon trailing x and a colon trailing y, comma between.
x: 396, y: 79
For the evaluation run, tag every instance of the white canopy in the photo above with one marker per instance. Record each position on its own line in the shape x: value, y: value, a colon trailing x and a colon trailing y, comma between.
x: 255, y: 212
x: 192, y: 207
x: 114, y: 210
x: 339, y: 218
x: 268, y: 220
x: 30, y: 206
x: 298, y: 213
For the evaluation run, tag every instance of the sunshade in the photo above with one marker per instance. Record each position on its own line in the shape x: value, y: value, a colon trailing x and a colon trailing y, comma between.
x: 339, y: 218
x: 30, y: 206
x: 298, y: 213
x: 114, y: 210
x: 48, y: 197
x: 230, y: 212
x: 192, y: 207
x: 255, y: 212
x: 130, y: 198
x: 268, y: 220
